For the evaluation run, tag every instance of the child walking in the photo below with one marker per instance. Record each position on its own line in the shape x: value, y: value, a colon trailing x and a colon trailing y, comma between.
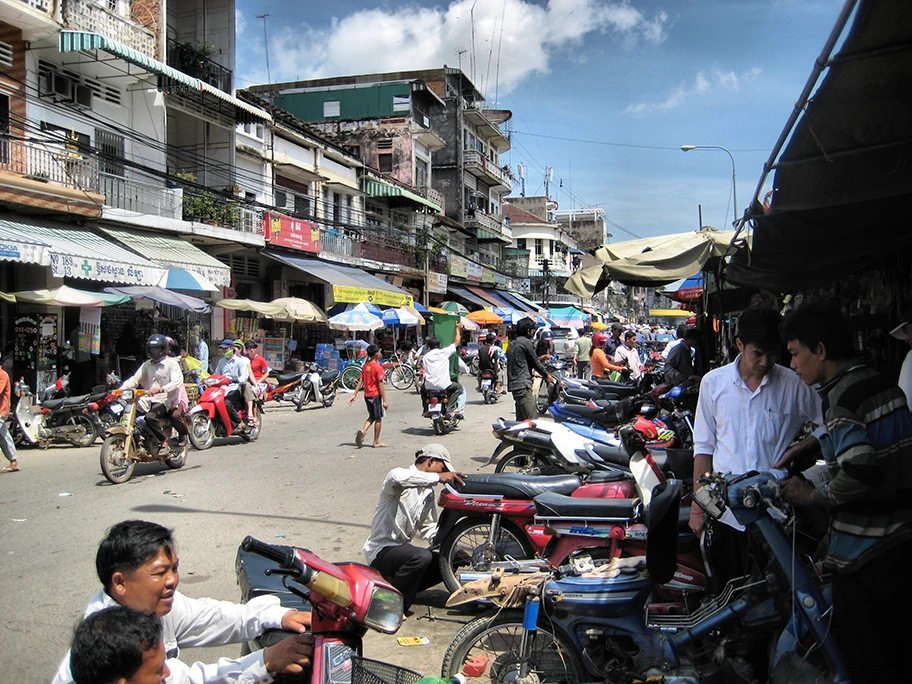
x: 371, y: 380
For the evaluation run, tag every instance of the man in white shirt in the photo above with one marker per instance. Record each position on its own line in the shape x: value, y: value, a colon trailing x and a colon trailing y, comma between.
x: 438, y: 374
x: 407, y: 506
x: 903, y: 332
x: 627, y: 354
x: 137, y: 565
x: 750, y: 410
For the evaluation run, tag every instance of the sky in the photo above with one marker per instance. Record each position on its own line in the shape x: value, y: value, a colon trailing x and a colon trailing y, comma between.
x: 603, y: 92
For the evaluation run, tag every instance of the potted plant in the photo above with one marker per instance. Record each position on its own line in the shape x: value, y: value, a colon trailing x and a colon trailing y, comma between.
x: 199, y: 205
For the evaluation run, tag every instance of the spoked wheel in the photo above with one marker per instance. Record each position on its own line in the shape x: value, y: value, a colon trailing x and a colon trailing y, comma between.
x: 302, y: 398
x: 178, y: 460
x: 328, y: 400
x: 495, y: 641
x: 464, y: 548
x: 115, y: 464
x: 523, y: 462
x: 91, y: 431
x: 439, y: 427
x: 401, y: 377
x: 350, y: 377
x: 202, y: 431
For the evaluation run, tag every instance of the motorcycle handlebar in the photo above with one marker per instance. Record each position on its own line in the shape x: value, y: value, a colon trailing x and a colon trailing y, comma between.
x: 283, y: 557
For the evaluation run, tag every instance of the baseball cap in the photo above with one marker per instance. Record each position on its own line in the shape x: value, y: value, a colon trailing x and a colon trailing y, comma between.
x: 226, y: 343
x: 897, y: 332
x: 437, y: 452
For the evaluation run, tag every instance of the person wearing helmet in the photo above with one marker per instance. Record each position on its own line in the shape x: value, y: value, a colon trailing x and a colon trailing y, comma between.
x: 614, y: 341
x: 490, y: 358
x: 521, y: 361
x: 598, y: 358
x: 162, y: 378
x: 544, y: 350
x: 231, y: 366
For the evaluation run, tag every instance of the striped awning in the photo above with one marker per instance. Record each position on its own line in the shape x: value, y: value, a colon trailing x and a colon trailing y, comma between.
x: 255, y: 112
x: 17, y: 246
x: 378, y: 188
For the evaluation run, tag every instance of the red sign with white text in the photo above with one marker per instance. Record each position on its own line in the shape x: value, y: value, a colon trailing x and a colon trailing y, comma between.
x: 292, y: 233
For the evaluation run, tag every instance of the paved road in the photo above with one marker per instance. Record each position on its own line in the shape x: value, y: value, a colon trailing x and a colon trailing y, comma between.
x: 303, y: 483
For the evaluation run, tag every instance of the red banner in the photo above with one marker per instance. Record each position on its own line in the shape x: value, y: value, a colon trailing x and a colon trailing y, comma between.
x: 293, y: 233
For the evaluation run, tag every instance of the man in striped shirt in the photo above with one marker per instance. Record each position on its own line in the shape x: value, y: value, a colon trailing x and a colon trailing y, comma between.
x: 867, y: 444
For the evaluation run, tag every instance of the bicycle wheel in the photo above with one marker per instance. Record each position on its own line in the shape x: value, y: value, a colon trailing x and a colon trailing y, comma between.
x: 401, y: 377
x: 350, y: 377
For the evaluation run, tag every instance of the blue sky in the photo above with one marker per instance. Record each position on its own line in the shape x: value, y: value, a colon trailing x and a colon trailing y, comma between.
x: 603, y: 91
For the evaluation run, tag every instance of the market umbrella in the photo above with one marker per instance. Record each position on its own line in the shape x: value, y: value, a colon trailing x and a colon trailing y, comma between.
x: 569, y: 317
x: 69, y: 296
x: 177, y: 278
x: 454, y: 307
x: 265, y: 308
x: 485, y: 317
x: 162, y: 296
x: 354, y: 321
x: 598, y: 325
x: 468, y: 324
x: 299, y: 310
x: 437, y: 309
x: 684, y: 290
x: 401, y: 318
x: 420, y: 308
x: 513, y: 316
x: 339, y: 307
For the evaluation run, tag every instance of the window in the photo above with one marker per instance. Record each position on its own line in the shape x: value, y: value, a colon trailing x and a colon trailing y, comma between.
x: 337, y: 208
x: 520, y: 243
x: 551, y: 247
x: 110, y: 152
x: 421, y: 173
x: 538, y: 247
x: 331, y: 108
x: 281, y: 199
x: 401, y: 103
x: 4, y: 128
x: 348, y: 208
x: 302, y: 205
x: 385, y: 162
x: 6, y: 54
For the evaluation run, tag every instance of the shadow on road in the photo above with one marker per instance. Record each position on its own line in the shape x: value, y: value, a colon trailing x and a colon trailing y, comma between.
x: 164, y: 508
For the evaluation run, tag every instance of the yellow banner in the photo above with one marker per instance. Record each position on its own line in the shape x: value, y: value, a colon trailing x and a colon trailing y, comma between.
x: 356, y: 295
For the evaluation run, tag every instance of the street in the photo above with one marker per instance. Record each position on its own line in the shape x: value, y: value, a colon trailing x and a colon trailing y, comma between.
x: 302, y: 483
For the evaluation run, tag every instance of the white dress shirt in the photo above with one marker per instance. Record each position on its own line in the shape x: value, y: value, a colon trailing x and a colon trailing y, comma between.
x: 631, y: 358
x: 744, y: 430
x: 165, y: 373
x: 437, y: 368
x: 206, y: 622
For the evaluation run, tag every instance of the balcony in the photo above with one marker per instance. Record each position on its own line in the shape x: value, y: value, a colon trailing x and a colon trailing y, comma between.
x: 143, y: 198
x: 479, y: 165
x: 34, y: 17
x: 432, y: 195
x: 89, y: 15
x: 487, y: 226
x: 194, y: 61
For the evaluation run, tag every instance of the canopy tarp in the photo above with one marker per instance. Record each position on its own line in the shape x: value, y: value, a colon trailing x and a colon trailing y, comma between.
x: 844, y: 180
x: 69, y: 296
x: 670, y: 313
x: 162, y: 296
x: 264, y: 308
x: 569, y: 317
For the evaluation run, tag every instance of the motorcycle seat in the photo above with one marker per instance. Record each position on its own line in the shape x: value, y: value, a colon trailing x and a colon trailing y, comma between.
x: 616, y: 455
x: 519, y: 486
x: 288, y: 377
x: 98, y: 396
x: 680, y: 462
x: 54, y: 404
x: 329, y: 376
x: 617, y: 388
x: 551, y: 505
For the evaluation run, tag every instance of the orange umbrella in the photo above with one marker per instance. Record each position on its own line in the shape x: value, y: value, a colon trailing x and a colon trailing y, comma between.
x: 598, y: 325
x: 485, y: 317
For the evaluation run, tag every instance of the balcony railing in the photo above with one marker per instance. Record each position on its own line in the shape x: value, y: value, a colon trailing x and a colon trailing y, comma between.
x: 432, y: 195
x: 143, y: 198
x: 49, y: 163
x: 40, y: 5
x: 194, y: 62
x: 492, y: 223
x: 88, y: 15
x: 250, y: 220
x: 476, y: 158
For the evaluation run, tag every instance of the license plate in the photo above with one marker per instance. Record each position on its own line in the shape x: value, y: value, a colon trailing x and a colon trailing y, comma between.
x: 116, y: 409
x: 485, y: 384
x: 436, y: 408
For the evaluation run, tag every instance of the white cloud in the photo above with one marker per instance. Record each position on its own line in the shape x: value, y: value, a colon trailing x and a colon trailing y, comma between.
x: 703, y: 84
x: 240, y: 23
x: 523, y: 34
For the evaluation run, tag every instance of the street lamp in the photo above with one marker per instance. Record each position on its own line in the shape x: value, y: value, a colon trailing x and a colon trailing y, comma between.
x: 688, y: 148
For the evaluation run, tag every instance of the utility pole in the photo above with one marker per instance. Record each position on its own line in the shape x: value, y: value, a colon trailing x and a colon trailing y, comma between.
x: 546, y: 279
x: 265, y: 44
x: 522, y: 177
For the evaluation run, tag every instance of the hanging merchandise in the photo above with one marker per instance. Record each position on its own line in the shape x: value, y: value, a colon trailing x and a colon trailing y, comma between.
x: 90, y: 330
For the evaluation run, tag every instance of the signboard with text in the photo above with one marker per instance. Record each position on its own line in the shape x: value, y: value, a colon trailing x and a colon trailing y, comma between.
x: 357, y: 295
x: 293, y: 233
x: 474, y: 271
x: 437, y: 282
x: 459, y: 266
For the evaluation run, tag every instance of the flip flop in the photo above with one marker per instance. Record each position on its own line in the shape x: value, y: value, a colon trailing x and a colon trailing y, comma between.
x: 10, y: 470
x: 359, y: 438
x: 381, y: 444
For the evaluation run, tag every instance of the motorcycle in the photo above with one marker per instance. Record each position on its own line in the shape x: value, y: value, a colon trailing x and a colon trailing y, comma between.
x: 210, y: 419
x: 318, y: 384
x: 70, y: 419
x: 105, y: 403
x: 489, y: 391
x: 132, y: 442
x: 600, y: 621
x: 438, y: 410
x: 345, y: 599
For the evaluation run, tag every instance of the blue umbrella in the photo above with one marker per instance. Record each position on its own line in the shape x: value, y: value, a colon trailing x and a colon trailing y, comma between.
x: 355, y: 320
x: 400, y: 318
x: 162, y: 296
x: 514, y: 316
x: 364, y: 306
x: 177, y: 278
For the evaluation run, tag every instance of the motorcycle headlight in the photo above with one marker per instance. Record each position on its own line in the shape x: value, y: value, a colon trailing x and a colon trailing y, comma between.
x: 127, y: 395
x: 385, y: 611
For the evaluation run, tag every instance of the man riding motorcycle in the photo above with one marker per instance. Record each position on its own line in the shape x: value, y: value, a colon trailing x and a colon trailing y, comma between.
x: 438, y: 371
x: 491, y: 358
x: 232, y: 367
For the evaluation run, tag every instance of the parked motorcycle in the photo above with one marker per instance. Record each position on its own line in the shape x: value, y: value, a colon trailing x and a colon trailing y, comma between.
x: 318, y: 384
x: 601, y: 621
x: 210, y: 419
x: 132, y: 442
x: 105, y: 403
x: 345, y: 599
x: 286, y: 387
x: 69, y: 419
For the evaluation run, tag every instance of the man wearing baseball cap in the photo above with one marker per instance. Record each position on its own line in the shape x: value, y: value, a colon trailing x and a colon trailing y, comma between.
x: 407, y: 506
x: 903, y: 332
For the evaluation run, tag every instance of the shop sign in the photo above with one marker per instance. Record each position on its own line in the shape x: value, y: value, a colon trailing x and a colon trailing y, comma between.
x: 500, y: 279
x: 525, y: 286
x: 64, y: 266
x: 459, y: 266
x: 357, y: 295
x: 293, y: 233
x: 487, y: 275
x: 474, y: 271
x: 437, y: 282
x: 12, y: 250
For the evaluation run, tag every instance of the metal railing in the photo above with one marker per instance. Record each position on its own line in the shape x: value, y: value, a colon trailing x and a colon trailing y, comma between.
x: 340, y: 243
x: 249, y: 220
x: 40, y: 5
x: 474, y: 157
x: 88, y: 15
x: 432, y: 195
x: 190, y: 60
x: 143, y: 198
x: 490, y: 222
x: 50, y: 163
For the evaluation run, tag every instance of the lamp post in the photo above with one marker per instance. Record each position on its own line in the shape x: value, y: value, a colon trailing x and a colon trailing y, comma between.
x: 688, y: 148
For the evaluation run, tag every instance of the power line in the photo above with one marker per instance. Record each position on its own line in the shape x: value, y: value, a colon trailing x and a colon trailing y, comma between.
x: 637, y: 146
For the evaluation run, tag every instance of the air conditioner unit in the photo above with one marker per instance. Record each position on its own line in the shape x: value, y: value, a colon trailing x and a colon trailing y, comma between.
x: 83, y: 96
x: 61, y: 87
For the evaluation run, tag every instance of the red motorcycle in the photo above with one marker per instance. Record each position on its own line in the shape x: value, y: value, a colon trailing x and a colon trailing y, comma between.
x: 345, y: 600
x: 288, y: 386
x: 210, y: 418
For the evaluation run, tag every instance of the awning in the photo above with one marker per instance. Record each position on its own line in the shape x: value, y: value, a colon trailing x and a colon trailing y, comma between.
x: 514, y: 301
x: 78, y: 41
x: 468, y: 296
x: 489, y: 296
x: 670, y: 313
x: 377, y: 188
x: 76, y: 252
x: 16, y: 246
x: 527, y: 304
x: 166, y: 250
x: 349, y: 284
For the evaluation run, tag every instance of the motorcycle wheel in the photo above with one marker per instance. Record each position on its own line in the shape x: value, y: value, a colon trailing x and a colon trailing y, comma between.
x: 253, y: 432
x: 91, y: 430
x: 462, y: 548
x: 202, y: 431
x: 350, y: 377
x: 523, y: 462
x: 439, y: 426
x: 178, y: 461
x: 115, y: 465
x: 302, y: 399
x: 401, y: 377
x: 495, y: 639
x: 328, y: 400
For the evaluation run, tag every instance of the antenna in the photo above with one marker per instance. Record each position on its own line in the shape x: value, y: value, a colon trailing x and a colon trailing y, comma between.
x: 266, y: 43
x: 460, y: 51
x: 522, y: 177
x: 549, y: 176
